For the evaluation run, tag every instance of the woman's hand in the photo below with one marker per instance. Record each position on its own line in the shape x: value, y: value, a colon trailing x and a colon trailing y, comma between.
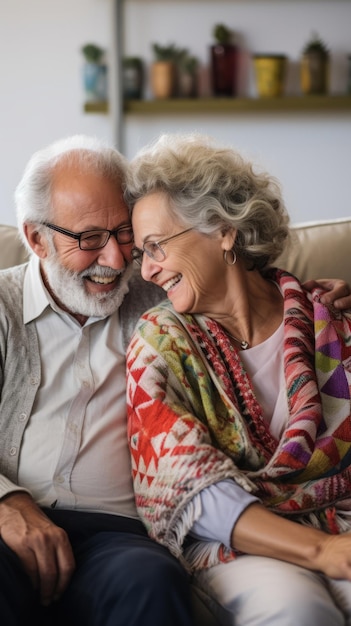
x: 338, y: 292
x: 334, y: 558
x: 260, y: 532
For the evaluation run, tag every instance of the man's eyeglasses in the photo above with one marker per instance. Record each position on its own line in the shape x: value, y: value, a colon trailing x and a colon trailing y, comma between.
x: 153, y: 249
x: 96, y: 239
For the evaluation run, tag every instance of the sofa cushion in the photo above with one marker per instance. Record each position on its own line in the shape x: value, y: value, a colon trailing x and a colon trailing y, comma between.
x: 320, y: 250
x: 12, y: 250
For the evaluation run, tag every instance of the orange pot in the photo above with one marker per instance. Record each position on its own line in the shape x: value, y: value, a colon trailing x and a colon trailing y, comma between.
x: 163, y: 79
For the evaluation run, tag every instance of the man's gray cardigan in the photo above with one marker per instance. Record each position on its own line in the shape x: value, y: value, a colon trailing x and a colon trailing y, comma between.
x: 20, y: 361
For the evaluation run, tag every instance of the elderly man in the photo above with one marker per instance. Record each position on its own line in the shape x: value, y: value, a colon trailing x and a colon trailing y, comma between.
x: 71, y: 540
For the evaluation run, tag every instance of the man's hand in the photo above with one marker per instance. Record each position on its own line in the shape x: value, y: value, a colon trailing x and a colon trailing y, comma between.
x: 42, y: 547
x: 338, y: 292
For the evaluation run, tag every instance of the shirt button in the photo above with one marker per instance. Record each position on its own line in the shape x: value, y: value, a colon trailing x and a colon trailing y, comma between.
x: 23, y: 417
x: 13, y: 451
x: 60, y: 479
x: 33, y: 381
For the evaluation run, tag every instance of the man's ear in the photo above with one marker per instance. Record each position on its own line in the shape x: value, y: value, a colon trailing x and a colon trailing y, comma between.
x: 36, y: 240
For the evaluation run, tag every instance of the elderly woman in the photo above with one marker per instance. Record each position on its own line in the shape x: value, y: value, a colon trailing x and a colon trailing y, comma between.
x: 238, y: 393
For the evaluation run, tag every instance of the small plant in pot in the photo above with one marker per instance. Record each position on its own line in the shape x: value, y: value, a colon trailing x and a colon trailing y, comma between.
x: 224, y: 60
x: 133, y: 77
x: 164, y: 72
x: 94, y: 73
x: 315, y: 66
x: 187, y: 75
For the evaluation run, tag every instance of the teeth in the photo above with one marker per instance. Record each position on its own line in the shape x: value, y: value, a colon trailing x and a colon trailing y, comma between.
x: 103, y: 280
x: 170, y: 283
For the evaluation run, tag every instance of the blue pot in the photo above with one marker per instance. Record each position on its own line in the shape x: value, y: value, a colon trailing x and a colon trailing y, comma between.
x: 95, y: 82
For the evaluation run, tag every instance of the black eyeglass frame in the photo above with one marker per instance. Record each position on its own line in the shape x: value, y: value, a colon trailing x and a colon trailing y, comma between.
x: 115, y: 232
x: 137, y: 253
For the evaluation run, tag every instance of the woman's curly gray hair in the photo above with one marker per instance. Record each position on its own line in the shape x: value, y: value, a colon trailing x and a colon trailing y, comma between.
x: 211, y: 188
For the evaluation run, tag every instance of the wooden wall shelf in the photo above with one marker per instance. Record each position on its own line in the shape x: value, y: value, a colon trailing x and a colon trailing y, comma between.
x: 239, y: 105
x: 96, y: 107
x: 228, y: 105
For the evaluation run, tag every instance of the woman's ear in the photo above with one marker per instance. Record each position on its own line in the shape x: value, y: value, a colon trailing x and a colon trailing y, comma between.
x: 228, y: 238
x: 36, y: 240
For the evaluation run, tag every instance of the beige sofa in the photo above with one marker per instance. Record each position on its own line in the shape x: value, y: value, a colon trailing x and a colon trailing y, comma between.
x: 319, y: 249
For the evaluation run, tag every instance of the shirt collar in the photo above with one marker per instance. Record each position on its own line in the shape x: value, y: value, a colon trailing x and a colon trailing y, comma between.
x: 35, y: 296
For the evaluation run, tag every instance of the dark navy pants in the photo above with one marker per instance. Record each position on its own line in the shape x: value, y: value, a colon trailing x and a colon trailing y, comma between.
x: 122, y: 578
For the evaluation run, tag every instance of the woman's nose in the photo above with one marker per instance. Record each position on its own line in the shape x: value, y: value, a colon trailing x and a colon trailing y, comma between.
x: 149, y: 267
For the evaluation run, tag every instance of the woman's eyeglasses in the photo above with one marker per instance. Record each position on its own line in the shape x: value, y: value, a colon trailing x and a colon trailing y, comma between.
x: 153, y: 249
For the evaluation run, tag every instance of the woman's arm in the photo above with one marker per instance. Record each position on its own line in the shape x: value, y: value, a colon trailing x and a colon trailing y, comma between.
x: 262, y: 533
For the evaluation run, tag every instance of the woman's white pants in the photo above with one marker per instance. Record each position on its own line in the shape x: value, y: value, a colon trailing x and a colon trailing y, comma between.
x: 259, y: 591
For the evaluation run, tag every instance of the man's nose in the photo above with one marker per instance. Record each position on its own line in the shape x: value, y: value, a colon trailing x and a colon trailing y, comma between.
x: 111, y: 254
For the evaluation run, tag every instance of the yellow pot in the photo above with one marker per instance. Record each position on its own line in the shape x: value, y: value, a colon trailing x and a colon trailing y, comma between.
x: 270, y: 71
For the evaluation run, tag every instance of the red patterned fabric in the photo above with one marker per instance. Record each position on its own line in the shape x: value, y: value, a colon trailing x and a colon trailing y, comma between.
x: 194, y: 420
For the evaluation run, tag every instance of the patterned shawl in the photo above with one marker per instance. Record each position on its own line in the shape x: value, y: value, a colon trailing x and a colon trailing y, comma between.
x: 194, y: 420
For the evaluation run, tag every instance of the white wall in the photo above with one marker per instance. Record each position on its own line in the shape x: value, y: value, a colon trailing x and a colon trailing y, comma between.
x: 309, y: 152
x: 42, y: 96
x: 40, y: 76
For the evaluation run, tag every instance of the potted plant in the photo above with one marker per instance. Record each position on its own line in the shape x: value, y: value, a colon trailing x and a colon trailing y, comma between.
x: 224, y: 59
x: 133, y: 75
x: 164, y: 70
x: 315, y: 66
x: 187, y: 75
x: 94, y: 73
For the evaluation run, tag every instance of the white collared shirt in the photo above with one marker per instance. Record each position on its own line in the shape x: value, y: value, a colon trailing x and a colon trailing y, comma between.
x: 75, y: 451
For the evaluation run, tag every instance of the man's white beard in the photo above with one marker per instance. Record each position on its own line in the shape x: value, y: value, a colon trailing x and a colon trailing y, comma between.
x: 69, y: 288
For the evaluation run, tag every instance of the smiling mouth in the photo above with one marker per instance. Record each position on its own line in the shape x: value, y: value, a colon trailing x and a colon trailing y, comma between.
x: 170, y: 283
x: 101, y: 280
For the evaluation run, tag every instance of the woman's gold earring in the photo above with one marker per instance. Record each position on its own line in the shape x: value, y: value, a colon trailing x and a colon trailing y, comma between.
x: 233, y: 258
